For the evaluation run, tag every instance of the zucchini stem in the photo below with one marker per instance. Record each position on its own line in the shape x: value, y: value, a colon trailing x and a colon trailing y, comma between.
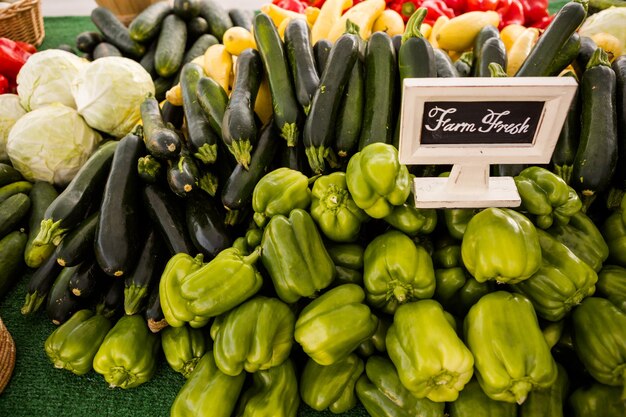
x: 289, y: 131
x: 32, y: 303
x: 50, y: 231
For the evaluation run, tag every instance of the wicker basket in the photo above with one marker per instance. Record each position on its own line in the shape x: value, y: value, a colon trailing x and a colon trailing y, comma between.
x: 126, y: 10
x: 23, y: 21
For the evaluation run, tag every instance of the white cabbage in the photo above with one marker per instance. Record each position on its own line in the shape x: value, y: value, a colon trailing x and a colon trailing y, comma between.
x: 611, y: 20
x: 51, y: 143
x: 108, y: 93
x: 46, y: 78
x: 10, y: 111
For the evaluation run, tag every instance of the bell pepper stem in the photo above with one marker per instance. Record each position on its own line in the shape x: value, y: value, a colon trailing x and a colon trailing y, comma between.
x: 520, y: 390
x: 252, y: 258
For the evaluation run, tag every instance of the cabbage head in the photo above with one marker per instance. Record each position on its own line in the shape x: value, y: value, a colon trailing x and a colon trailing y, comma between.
x: 611, y: 20
x: 51, y: 143
x: 10, y: 111
x: 46, y: 78
x: 108, y: 93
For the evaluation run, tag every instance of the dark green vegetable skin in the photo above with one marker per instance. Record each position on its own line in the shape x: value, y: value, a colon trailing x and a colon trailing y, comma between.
x: 61, y: 302
x: 239, y: 130
x: 445, y: 67
x: 41, y: 196
x: 87, y: 41
x: 587, y: 48
x: 486, y: 33
x: 13, y: 188
x: 350, y: 118
x: 8, y: 174
x: 619, y: 68
x: 154, y: 312
x: 567, y: 144
x: 206, y: 227
x: 39, y: 284
x: 11, y: 259
x: 241, y: 17
x: 300, y: 55
x: 104, y: 49
x: 217, y: 17
x: 186, y: 9
x: 87, y: 279
x: 321, y: 51
x: 493, y: 51
x: 200, y: 137
x: 111, y: 303
x: 566, y: 55
x: 161, y: 141
x: 213, y: 101
x: 115, y: 32
x: 170, y: 49
x: 147, y: 23
x: 77, y: 245
x: 183, y: 175
x: 319, y: 128
x: 12, y: 211
x: 596, y: 157
x: 116, y: 244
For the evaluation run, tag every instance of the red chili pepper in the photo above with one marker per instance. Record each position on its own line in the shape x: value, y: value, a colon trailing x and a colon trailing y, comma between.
x: 511, y: 12
x: 293, y: 5
x: 481, y: 5
x: 4, y: 84
x: 535, y: 10
x: 12, y: 58
x: 404, y: 7
x: 436, y: 8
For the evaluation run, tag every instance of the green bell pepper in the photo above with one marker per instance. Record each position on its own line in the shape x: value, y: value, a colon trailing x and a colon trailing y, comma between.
x: 412, y: 220
x: 208, y: 392
x: 501, y: 245
x: 447, y: 253
x: 348, y: 260
x: 473, y: 402
x: 598, y: 336
x: 255, y: 335
x: 561, y: 283
x: 173, y: 304
x: 456, y: 220
x: 511, y: 355
x: 274, y: 393
x: 583, y: 238
x: 334, y: 210
x: 549, y: 401
x: 383, y: 395
x: 396, y: 271
x: 335, y: 324
x: 614, y: 232
x: 331, y: 386
x: 431, y: 360
x: 225, y: 282
x: 448, y: 282
x: 128, y: 354
x: 597, y: 400
x: 279, y: 192
x: 183, y: 347
x: 376, y: 179
x: 376, y: 343
x: 546, y: 196
x: 612, y: 285
x: 294, y: 256
x: 74, y: 344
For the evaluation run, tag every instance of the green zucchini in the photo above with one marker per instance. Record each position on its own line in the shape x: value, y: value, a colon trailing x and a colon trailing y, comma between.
x: 217, y: 17
x: 241, y: 17
x: 147, y: 23
x: 111, y: 303
x: 154, y: 313
x: 556, y: 35
x: 320, y: 125
x: 300, y: 55
x: 596, y: 157
x: 350, y: 117
x: 87, y: 279
x: 165, y: 212
x: 484, y: 34
x: 115, y: 32
x: 286, y: 107
x: 196, y: 27
x: 445, y: 66
x: 149, y: 169
x: 566, y: 55
x: 493, y: 51
x: 61, y: 302
x: 104, y: 49
x: 88, y: 40
x: 17, y: 187
x: 199, y: 46
x: 170, y: 49
x: 116, y: 246
x: 205, y: 223
x: 161, y: 141
x: 72, y: 206
x: 41, y: 196
x: 463, y: 65
x: 77, y: 245
x: 8, y: 174
x: 183, y: 175
x: 186, y: 9
x: 321, y: 50
x: 567, y: 144
x: 39, y: 284
x: 161, y: 86
x: 619, y: 68
x: 11, y: 259
x: 293, y: 157
x: 147, y: 60
x: 200, y: 137
x: 213, y: 101
x: 12, y: 211
x: 173, y: 117
x: 587, y: 48
x: 146, y: 273
x: 239, y: 129
x: 380, y: 73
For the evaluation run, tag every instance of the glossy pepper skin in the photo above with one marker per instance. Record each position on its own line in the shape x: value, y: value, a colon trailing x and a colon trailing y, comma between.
x: 456, y: 220
x: 612, y: 285
x: 127, y: 356
x: 561, y: 283
x: 334, y: 210
x: 348, y: 260
x: 173, y: 304
x: 382, y: 394
x: 335, y: 324
x: 294, y: 255
x: 501, y: 245
x: 396, y: 271
x: 412, y: 220
x: 597, y: 400
x: 599, y: 335
x: 431, y: 360
x: 376, y: 343
x: 511, y: 355
x: 279, y: 192
x: 274, y: 393
x: 614, y: 232
x: 208, y: 392
x: 183, y: 347
x: 332, y: 386
x: 546, y: 196
x: 583, y: 238
x: 473, y: 402
x: 74, y: 344
x: 376, y: 179
x: 225, y: 282
x: 549, y: 401
x: 255, y: 335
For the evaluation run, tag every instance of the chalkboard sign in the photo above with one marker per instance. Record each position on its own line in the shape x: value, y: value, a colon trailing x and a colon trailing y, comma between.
x: 480, y: 122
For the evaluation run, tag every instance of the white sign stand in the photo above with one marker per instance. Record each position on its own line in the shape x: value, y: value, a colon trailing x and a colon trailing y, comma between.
x: 469, y: 184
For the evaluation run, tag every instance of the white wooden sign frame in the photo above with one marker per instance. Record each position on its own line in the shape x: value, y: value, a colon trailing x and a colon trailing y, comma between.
x: 469, y: 184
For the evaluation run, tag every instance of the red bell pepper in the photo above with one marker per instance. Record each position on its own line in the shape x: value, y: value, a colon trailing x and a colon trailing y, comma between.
x: 511, y: 12
x: 458, y: 6
x: 436, y: 8
x: 27, y: 47
x: 4, y: 85
x: 535, y: 10
x: 293, y: 5
x: 481, y: 5
x: 12, y: 58
x: 404, y: 7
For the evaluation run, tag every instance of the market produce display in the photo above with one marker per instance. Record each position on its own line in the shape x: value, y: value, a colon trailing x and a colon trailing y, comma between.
x: 229, y: 201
